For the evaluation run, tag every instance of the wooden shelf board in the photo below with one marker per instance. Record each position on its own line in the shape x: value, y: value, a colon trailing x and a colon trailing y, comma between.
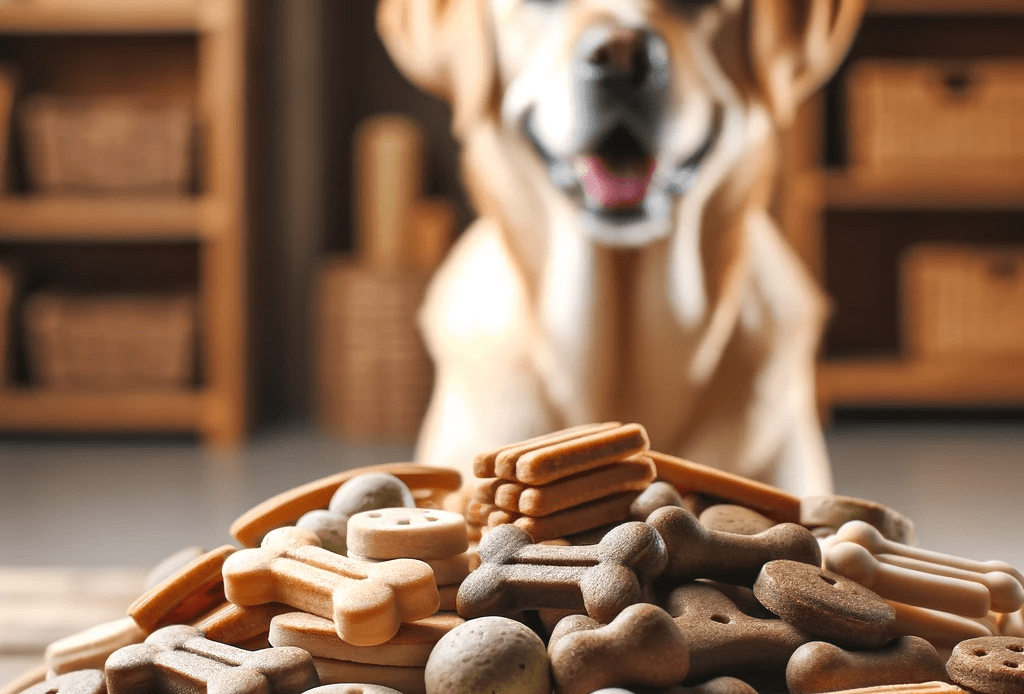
x: 926, y: 7
x: 39, y: 218
x: 76, y: 17
x: 963, y: 189
x: 998, y: 380
x: 47, y: 410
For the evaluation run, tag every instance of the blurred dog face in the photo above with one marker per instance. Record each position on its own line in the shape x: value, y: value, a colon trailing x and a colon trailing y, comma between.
x: 624, y: 101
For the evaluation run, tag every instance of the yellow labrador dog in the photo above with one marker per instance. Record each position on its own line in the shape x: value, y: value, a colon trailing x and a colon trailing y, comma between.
x: 620, y: 154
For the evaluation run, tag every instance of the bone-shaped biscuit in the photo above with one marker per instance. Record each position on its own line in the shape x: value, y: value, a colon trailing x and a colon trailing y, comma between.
x: 656, y: 495
x: 368, y: 602
x: 89, y: 649
x: 184, y: 596
x: 179, y: 659
x: 632, y: 474
x: 824, y: 667
x: 236, y: 625
x: 91, y: 681
x: 935, y: 578
x: 696, y: 552
x: 641, y: 646
x: 942, y: 629
x: 603, y: 579
x: 285, y: 508
x: 723, y: 639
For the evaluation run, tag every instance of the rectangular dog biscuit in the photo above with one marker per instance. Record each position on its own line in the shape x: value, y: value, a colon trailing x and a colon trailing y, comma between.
x: 408, y: 680
x: 633, y: 474
x: 483, y: 464
x: 544, y: 464
x: 574, y: 520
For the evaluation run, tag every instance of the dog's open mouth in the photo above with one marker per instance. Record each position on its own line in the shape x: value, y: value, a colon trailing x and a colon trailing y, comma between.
x: 617, y: 175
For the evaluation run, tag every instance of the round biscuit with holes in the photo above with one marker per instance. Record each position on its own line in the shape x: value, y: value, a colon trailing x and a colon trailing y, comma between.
x: 989, y: 664
x: 419, y: 533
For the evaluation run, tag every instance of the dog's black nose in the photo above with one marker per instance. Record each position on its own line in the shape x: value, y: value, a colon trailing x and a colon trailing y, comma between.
x: 621, y: 61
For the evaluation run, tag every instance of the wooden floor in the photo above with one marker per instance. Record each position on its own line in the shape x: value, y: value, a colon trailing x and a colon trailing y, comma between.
x: 103, y: 512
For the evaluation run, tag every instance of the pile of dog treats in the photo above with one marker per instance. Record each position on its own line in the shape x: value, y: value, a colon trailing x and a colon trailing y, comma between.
x: 578, y: 562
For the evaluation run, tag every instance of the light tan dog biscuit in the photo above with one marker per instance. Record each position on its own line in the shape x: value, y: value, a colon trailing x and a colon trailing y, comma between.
x: 818, y: 666
x: 447, y: 570
x: 407, y: 680
x: 595, y: 514
x: 286, y: 508
x: 632, y: 474
x: 484, y: 465
x: 368, y: 602
x: 419, y: 533
x: 641, y: 646
x: 179, y: 659
x: 184, y: 596
x: 942, y: 629
x: 689, y: 477
x: 89, y: 649
x: 410, y: 647
x: 236, y: 625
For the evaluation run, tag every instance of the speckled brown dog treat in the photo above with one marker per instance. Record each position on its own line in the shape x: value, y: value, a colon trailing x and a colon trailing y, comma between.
x: 75, y: 682
x: 541, y: 464
x: 823, y: 667
x: 515, y: 574
x: 696, y: 552
x: 368, y: 602
x: 484, y: 464
x: 236, y: 625
x: 834, y: 511
x: 633, y: 474
x: 689, y: 477
x: 286, y: 508
x: 419, y: 533
x: 989, y: 665
x: 490, y: 655
x: 730, y: 518
x: 723, y: 640
x: 825, y: 604
x: 410, y: 647
x: 656, y: 495
x: 184, y: 596
x: 179, y: 659
x: 595, y: 514
x: 89, y: 649
x: 641, y: 646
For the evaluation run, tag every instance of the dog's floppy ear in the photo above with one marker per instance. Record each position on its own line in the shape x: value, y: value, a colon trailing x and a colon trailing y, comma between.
x: 443, y: 46
x: 795, y: 45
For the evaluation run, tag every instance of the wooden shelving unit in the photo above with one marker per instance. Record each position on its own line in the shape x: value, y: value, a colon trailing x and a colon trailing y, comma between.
x: 811, y: 191
x: 210, y: 45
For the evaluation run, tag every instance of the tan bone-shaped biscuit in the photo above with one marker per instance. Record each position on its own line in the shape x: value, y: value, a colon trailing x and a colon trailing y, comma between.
x: 186, y: 595
x: 641, y: 646
x: 368, y: 602
x: 824, y: 667
x: 179, y: 659
x: 515, y: 574
x: 91, y: 681
x: 236, y: 625
x: 632, y: 474
x: 696, y: 552
x: 89, y: 649
x: 941, y: 629
x: 724, y: 640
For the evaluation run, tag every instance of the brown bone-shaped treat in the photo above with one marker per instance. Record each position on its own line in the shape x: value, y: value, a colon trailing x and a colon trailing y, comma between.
x: 819, y: 666
x: 723, y: 640
x: 179, y: 659
x: 641, y: 646
x: 515, y: 574
x: 368, y: 602
x: 696, y: 552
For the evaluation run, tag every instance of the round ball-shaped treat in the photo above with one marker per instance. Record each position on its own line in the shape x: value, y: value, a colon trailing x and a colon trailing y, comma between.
x: 489, y: 655
x: 371, y: 491
x: 989, y: 664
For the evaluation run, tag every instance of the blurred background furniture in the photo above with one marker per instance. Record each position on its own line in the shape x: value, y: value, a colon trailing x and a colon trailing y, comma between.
x: 910, y: 166
x: 161, y: 212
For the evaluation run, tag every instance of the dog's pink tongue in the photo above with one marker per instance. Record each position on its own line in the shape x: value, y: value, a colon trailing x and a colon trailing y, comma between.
x: 612, y: 189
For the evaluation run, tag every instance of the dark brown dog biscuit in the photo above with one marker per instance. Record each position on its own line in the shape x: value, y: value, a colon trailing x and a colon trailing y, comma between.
x: 641, y: 646
x: 74, y: 682
x: 723, y: 640
x: 730, y: 518
x: 834, y: 511
x: 656, y: 495
x: 696, y: 552
x: 825, y: 604
x: 823, y: 667
x: 989, y: 665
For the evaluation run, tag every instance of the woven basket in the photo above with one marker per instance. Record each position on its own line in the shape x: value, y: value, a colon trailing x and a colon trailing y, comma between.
x: 79, y: 145
x: 919, y: 114
x: 373, y: 371
x: 6, y: 302
x: 961, y: 300
x: 110, y: 342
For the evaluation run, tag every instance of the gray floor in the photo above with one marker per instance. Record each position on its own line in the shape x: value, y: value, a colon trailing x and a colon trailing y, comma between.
x: 129, y: 504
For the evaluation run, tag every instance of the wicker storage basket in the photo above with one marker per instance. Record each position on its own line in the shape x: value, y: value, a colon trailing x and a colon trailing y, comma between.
x: 918, y: 114
x: 6, y: 302
x: 963, y: 300
x: 110, y: 342
x: 373, y: 371
x: 82, y: 145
